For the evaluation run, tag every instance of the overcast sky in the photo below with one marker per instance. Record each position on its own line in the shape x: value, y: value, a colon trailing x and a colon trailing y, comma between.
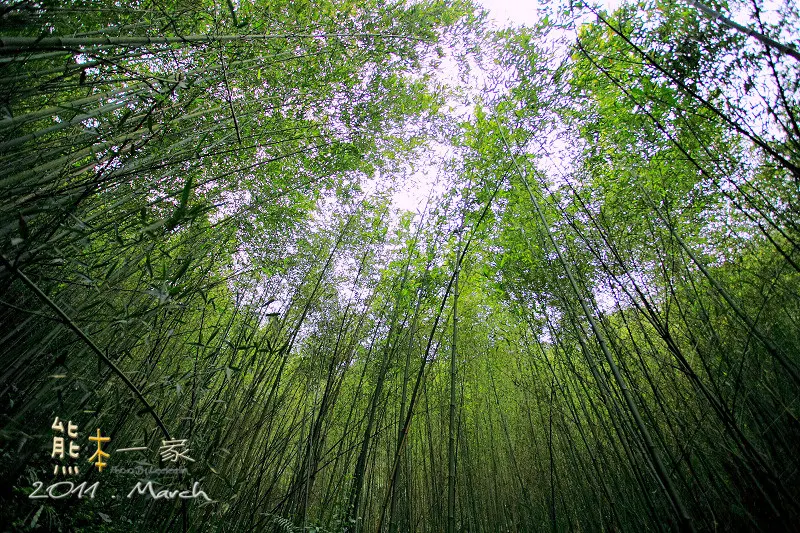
x: 523, y: 11
x: 515, y: 11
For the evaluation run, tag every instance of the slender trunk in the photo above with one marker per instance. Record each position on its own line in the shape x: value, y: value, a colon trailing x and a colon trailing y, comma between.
x: 451, y: 445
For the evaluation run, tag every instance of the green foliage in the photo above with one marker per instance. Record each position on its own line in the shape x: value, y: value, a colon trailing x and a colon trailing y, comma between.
x: 205, y: 191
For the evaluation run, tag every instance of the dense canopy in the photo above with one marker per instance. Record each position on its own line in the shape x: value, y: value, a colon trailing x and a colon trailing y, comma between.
x: 369, y: 266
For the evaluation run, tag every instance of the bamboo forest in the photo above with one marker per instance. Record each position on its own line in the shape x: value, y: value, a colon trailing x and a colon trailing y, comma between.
x: 399, y: 265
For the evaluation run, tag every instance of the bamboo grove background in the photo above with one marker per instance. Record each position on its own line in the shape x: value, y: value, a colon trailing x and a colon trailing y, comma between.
x: 591, y: 325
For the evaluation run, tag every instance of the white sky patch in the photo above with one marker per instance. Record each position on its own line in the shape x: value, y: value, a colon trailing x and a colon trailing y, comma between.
x: 514, y: 12
x: 524, y: 12
x: 419, y: 182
